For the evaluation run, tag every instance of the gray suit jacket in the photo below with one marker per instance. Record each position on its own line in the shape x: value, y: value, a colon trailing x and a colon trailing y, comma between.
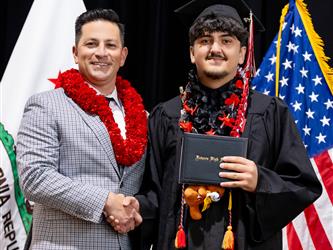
x: 67, y: 167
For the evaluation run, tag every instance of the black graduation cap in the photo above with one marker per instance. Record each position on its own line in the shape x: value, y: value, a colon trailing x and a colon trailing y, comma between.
x: 236, y: 9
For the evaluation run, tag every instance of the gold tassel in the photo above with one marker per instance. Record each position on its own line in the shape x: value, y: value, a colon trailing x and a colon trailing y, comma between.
x: 228, y: 242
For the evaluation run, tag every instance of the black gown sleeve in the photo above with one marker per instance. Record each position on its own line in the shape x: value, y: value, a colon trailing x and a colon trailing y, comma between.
x: 287, y: 183
x: 150, y: 190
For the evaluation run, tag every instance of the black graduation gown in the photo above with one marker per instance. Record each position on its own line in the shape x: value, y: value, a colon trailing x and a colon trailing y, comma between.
x: 287, y: 183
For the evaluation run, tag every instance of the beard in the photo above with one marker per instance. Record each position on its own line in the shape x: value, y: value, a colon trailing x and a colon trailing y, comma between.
x: 215, y: 75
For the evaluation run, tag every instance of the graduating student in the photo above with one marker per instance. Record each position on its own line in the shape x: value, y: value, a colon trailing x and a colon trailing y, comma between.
x: 270, y: 186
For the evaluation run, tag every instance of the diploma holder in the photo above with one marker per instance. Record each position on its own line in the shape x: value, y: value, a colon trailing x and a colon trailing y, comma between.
x: 200, y: 157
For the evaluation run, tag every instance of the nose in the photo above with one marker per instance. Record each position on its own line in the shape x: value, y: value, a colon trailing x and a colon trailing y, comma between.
x: 101, y: 50
x: 216, y: 48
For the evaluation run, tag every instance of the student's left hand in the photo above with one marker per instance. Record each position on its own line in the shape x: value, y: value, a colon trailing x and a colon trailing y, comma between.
x: 245, y: 175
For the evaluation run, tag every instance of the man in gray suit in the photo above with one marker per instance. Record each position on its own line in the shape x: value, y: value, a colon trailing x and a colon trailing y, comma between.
x: 81, y: 155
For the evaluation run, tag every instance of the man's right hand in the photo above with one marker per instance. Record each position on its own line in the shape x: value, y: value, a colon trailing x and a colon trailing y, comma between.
x: 122, y: 212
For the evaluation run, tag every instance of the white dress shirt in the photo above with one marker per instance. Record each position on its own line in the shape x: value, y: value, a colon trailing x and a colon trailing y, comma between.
x: 118, y: 112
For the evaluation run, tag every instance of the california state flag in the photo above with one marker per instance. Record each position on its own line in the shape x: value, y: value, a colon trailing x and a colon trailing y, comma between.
x: 44, y: 47
x: 41, y: 51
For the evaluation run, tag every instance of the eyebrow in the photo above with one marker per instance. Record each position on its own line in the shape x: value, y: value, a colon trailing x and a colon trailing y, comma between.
x: 96, y: 40
x: 222, y: 35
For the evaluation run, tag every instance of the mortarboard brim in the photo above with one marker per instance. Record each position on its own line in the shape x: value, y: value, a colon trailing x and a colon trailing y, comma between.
x: 236, y: 9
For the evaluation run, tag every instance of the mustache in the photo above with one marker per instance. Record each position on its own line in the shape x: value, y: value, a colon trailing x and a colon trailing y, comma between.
x: 216, y: 56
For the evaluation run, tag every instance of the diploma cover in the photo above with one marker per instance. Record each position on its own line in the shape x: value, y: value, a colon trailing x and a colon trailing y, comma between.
x: 200, y: 157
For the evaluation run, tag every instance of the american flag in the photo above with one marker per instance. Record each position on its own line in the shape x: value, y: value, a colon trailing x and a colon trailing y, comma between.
x: 305, y: 82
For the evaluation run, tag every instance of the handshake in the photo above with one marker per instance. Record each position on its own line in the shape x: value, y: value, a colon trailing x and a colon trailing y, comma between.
x: 122, y: 212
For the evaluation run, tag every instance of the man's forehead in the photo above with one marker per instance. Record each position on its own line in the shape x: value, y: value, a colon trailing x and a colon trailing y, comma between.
x: 100, y: 27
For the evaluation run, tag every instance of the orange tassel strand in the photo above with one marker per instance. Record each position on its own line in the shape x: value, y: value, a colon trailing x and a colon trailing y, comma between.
x: 180, y: 241
x: 228, y: 242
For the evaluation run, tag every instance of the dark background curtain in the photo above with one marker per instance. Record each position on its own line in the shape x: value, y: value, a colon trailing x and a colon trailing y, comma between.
x: 158, y: 59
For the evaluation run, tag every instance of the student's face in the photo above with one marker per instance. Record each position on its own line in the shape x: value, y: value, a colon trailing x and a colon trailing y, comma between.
x: 217, y: 56
x: 99, y: 52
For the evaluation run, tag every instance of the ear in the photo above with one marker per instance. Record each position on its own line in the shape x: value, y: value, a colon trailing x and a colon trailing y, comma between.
x: 192, y: 54
x: 242, y: 54
x: 124, y: 53
x: 75, y: 54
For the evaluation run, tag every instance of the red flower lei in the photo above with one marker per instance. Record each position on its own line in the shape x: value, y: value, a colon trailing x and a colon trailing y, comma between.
x: 129, y: 151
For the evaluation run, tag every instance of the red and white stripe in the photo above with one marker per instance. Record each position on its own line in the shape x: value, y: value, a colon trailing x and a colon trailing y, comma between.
x: 313, y: 229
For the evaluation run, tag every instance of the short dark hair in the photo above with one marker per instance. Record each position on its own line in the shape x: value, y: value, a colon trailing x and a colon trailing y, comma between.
x: 212, y: 23
x: 95, y: 15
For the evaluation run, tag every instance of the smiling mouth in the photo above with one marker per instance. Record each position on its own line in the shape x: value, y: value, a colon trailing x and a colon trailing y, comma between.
x: 100, y: 64
x: 216, y: 58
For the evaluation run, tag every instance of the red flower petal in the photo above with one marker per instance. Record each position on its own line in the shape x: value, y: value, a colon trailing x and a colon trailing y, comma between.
x: 186, y: 126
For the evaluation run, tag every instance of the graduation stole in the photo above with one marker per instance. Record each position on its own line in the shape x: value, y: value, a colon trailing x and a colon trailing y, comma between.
x: 198, y: 116
x: 127, y: 151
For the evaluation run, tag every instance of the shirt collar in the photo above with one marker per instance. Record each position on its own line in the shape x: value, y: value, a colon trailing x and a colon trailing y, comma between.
x: 114, y: 95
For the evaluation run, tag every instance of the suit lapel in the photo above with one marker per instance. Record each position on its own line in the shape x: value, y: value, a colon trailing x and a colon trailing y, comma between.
x: 101, y: 133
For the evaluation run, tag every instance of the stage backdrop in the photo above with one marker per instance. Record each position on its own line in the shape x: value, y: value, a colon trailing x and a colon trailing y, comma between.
x: 158, y: 46
x: 158, y: 58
